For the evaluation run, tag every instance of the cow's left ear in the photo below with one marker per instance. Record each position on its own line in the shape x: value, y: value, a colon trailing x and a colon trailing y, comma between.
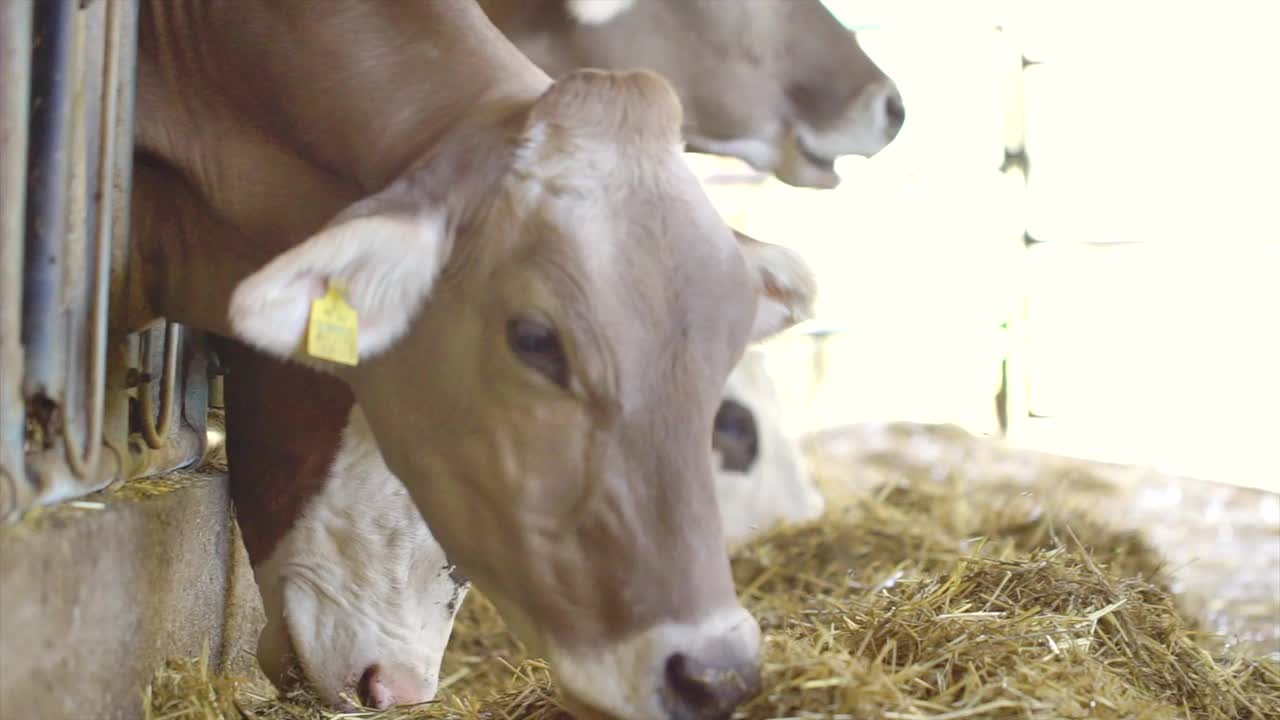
x: 381, y: 256
x: 596, y: 12
x: 786, y: 284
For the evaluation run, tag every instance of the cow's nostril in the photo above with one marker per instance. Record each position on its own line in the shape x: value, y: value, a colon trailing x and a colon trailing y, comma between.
x: 894, y: 112
x: 685, y: 685
x: 698, y: 692
x: 365, y: 689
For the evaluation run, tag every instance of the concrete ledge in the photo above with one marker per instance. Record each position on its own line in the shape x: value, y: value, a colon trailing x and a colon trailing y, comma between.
x: 94, y: 596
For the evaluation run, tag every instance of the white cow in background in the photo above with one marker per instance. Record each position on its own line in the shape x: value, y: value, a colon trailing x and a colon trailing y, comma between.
x: 762, y: 479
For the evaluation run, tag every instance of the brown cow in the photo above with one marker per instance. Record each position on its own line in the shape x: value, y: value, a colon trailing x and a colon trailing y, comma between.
x: 513, y: 237
x: 285, y: 449
x: 780, y: 84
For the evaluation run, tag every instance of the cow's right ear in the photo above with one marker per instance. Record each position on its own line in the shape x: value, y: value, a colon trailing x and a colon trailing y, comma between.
x: 384, y: 256
x: 596, y: 12
x: 786, y: 285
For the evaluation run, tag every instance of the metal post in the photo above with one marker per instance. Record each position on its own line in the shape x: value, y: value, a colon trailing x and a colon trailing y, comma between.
x: 42, y: 321
x: 15, y: 58
x: 124, y: 40
x: 156, y: 429
x: 83, y: 457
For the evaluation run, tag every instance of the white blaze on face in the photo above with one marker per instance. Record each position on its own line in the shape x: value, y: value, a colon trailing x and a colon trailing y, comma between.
x: 761, y: 477
x: 359, y: 592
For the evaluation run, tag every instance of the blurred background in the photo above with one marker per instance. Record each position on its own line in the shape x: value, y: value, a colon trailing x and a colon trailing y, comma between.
x: 1077, y: 229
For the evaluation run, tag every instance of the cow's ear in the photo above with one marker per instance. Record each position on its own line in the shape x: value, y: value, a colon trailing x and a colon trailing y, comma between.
x: 597, y: 12
x: 787, y: 287
x: 381, y: 256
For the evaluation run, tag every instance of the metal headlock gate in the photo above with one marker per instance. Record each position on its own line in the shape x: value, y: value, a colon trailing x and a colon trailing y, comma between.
x: 83, y: 404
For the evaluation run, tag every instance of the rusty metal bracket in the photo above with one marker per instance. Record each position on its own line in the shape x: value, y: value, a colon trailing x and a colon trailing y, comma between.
x: 154, y: 429
x: 179, y: 437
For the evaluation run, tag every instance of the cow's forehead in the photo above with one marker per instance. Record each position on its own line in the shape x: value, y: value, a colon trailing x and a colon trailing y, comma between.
x: 656, y: 270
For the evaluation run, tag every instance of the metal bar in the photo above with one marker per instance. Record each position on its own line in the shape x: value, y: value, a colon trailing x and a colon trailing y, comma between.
x: 83, y: 459
x: 185, y: 441
x: 73, y: 296
x: 117, y: 423
x: 125, y: 40
x: 182, y: 449
x: 15, y: 95
x: 125, y: 13
x: 42, y: 321
x: 154, y: 431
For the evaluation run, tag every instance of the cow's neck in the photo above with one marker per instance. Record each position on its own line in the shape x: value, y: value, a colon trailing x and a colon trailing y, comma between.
x: 361, y: 89
x: 187, y: 272
x: 250, y: 100
x: 278, y: 469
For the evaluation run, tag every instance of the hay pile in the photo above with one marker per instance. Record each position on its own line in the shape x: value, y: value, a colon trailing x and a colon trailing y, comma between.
x: 1223, y: 541
x: 919, y: 600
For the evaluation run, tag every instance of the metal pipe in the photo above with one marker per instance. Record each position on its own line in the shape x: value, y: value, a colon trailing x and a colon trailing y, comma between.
x: 15, y: 58
x: 83, y: 459
x: 125, y: 14
x: 181, y: 449
x: 154, y: 431
x: 42, y: 321
x: 116, y: 426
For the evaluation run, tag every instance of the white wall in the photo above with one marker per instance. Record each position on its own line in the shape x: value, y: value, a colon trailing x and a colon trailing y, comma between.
x: 1149, y: 122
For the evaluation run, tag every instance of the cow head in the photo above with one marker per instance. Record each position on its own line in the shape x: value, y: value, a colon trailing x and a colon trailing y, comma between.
x: 781, y: 84
x: 546, y: 326
x: 358, y: 593
x: 762, y: 480
x: 360, y: 597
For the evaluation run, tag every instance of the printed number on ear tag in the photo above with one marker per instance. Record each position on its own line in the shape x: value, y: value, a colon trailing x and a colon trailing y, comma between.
x: 333, y: 329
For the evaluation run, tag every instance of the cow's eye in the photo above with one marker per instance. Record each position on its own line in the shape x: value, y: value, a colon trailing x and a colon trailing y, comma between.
x: 537, y: 345
x: 735, y: 436
x: 734, y: 425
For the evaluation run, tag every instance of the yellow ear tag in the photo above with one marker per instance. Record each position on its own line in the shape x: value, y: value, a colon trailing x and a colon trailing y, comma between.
x: 333, y: 329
